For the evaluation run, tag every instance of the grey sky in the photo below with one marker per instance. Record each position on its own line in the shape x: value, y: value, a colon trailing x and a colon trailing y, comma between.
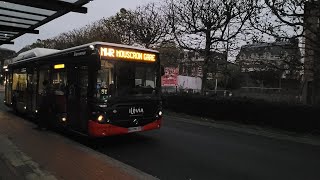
x: 97, y: 9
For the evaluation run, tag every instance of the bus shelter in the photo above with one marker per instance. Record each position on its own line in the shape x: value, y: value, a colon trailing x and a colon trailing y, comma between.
x: 19, y: 17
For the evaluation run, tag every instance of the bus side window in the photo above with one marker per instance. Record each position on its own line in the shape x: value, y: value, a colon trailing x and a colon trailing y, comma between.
x: 43, y: 75
x: 19, y: 85
x: 59, y: 78
x: 83, y: 81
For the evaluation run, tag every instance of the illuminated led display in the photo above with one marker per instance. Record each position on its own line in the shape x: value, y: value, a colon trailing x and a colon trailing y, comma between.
x: 59, y: 66
x: 127, y: 54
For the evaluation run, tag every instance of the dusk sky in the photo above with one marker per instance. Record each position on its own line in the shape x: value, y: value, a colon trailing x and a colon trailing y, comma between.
x: 97, y: 9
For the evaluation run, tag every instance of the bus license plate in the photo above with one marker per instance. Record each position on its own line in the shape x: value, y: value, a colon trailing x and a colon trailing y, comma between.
x: 134, y: 129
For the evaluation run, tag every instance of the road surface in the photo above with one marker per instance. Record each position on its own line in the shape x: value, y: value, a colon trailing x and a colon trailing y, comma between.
x: 182, y: 150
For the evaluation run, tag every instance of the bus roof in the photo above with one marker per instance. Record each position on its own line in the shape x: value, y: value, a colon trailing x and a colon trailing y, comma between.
x: 54, y: 52
x: 37, y: 52
x: 124, y: 46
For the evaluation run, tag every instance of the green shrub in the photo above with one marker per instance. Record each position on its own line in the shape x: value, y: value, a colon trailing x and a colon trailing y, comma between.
x: 292, y: 117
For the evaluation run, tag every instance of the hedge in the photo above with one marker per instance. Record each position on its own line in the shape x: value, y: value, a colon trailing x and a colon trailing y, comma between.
x: 292, y: 117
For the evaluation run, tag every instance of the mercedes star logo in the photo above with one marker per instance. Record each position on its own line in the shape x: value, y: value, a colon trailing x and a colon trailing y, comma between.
x: 135, y: 121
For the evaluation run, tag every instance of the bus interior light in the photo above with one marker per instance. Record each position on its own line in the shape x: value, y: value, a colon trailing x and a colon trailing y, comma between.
x: 59, y: 66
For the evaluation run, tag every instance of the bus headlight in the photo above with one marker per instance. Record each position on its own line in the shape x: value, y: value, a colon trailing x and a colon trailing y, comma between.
x: 159, y: 114
x: 100, y: 118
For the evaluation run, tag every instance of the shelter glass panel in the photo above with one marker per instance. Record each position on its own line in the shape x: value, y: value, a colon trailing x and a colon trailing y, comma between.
x: 16, y: 20
x: 22, y: 15
x: 25, y: 8
x: 14, y: 24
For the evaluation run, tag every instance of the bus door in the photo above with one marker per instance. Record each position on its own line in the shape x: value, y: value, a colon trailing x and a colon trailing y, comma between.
x: 77, y: 97
x: 20, y: 92
x: 31, y: 91
x: 59, y: 81
x: 34, y: 89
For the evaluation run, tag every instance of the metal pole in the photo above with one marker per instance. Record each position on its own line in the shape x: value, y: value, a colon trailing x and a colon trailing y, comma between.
x: 215, y: 89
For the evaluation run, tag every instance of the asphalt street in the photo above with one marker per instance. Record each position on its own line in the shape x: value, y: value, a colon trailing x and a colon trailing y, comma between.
x: 182, y: 150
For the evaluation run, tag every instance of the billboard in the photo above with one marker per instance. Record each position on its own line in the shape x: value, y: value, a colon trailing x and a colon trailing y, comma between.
x: 187, y: 82
x: 170, y: 77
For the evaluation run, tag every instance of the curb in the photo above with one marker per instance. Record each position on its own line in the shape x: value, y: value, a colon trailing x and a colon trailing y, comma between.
x: 21, y: 164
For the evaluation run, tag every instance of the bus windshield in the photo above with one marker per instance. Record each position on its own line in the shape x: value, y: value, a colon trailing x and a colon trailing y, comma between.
x: 126, y: 79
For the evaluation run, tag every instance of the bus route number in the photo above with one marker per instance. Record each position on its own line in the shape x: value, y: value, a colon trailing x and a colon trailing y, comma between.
x: 104, y: 91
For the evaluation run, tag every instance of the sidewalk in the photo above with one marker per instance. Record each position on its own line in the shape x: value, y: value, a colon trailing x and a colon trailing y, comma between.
x: 26, y: 153
x: 17, y: 165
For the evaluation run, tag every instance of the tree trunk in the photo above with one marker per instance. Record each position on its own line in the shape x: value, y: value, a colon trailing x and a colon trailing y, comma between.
x: 316, y: 72
x: 205, y: 64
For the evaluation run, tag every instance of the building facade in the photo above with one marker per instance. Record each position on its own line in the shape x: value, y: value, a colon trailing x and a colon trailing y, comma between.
x: 269, y: 65
x: 190, y: 65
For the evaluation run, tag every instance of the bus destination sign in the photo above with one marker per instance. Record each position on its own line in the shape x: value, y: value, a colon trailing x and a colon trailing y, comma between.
x: 127, y: 54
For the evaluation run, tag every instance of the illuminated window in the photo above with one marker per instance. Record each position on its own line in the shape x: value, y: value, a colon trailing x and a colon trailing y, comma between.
x: 19, y: 80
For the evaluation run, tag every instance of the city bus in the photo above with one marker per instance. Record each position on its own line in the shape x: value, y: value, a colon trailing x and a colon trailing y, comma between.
x: 100, y: 89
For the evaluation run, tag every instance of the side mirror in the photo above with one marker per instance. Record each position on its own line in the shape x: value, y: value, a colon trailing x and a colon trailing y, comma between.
x: 162, y: 70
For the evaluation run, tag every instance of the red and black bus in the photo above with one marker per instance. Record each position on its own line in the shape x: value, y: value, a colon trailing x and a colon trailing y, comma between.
x: 100, y: 89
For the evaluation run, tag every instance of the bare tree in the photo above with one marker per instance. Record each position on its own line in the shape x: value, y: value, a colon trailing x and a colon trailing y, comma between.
x: 294, y: 19
x: 121, y: 25
x: 170, y: 53
x: 203, y: 25
x: 145, y: 26
x: 149, y: 25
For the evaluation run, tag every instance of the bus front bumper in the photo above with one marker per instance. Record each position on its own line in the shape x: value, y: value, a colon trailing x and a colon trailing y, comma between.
x: 96, y: 129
